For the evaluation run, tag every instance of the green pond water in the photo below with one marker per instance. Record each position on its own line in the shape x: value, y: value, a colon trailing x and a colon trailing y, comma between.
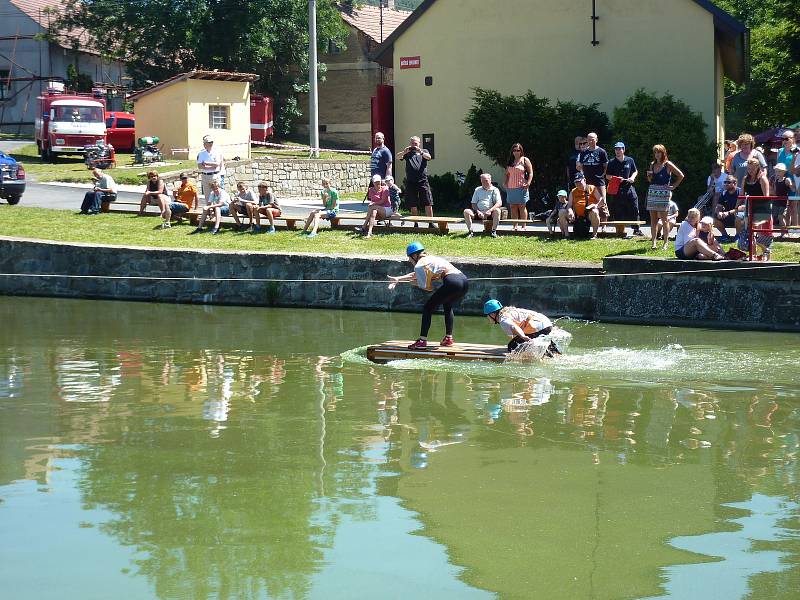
x: 163, y: 451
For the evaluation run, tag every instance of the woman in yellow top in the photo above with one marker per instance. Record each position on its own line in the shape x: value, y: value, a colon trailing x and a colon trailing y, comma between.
x: 454, y: 286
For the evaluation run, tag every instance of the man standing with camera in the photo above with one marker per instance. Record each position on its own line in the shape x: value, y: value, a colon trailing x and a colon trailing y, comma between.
x: 418, y: 190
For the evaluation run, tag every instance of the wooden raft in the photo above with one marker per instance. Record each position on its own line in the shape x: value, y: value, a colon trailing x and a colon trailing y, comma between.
x: 398, y: 350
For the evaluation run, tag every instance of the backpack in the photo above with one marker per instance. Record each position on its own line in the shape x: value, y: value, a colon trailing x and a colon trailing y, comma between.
x: 582, y: 228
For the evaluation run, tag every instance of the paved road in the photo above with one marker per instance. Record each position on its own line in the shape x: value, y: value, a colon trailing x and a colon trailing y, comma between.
x: 9, y: 146
x: 69, y: 197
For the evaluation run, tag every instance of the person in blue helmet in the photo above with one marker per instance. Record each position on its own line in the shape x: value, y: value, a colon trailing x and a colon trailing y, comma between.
x: 520, y: 324
x: 454, y: 285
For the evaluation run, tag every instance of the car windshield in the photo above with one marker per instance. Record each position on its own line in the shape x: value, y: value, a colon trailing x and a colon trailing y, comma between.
x: 78, y: 114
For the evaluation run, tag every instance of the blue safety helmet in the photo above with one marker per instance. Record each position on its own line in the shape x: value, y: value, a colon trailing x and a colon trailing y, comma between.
x: 491, y: 306
x: 413, y: 248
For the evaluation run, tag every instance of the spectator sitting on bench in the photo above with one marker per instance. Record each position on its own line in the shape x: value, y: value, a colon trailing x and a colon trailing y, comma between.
x: 105, y: 190
x: 561, y: 203
x: 725, y: 209
x: 672, y: 217
x: 185, y: 199
x: 267, y: 206
x: 241, y: 204
x: 380, y: 206
x: 155, y: 193
x: 217, y: 203
x: 486, y: 204
x: 583, y: 203
x: 330, y: 203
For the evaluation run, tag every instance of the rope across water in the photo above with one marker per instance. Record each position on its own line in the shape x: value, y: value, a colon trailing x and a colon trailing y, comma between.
x: 386, y: 281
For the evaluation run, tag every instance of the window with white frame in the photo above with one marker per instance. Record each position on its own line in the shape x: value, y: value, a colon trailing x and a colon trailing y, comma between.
x: 219, y: 117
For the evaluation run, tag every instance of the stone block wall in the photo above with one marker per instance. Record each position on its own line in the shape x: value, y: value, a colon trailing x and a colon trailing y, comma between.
x: 299, y: 177
x: 731, y: 295
x: 291, y: 178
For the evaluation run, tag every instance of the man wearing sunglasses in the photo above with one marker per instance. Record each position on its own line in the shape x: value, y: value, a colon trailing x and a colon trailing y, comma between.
x: 787, y: 153
x: 725, y: 209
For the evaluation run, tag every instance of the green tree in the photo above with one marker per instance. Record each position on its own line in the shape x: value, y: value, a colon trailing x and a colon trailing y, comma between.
x: 158, y: 39
x: 76, y: 81
x: 771, y: 96
x: 646, y: 119
x: 545, y: 129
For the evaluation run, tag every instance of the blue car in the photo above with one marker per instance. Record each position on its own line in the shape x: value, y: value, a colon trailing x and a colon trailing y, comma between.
x: 12, y: 179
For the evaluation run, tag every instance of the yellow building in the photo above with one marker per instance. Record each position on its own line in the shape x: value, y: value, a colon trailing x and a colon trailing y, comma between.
x: 557, y: 50
x: 184, y: 108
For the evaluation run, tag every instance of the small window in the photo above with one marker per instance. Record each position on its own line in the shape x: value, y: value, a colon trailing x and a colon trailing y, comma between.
x: 218, y: 117
x: 5, y: 85
x: 109, y: 122
x: 126, y: 123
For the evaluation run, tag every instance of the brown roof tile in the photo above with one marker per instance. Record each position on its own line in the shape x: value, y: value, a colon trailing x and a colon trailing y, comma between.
x: 42, y: 12
x: 367, y: 19
x: 218, y: 75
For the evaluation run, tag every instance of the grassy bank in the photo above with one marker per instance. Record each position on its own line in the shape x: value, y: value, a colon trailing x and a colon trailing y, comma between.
x: 72, y: 169
x: 48, y: 224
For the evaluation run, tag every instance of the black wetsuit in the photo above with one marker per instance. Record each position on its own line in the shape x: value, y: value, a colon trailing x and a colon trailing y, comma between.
x: 454, y: 288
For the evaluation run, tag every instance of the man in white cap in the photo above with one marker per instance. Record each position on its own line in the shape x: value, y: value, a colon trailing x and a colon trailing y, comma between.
x: 209, y: 163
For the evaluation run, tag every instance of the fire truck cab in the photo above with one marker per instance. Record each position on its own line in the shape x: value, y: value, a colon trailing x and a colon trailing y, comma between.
x: 65, y: 123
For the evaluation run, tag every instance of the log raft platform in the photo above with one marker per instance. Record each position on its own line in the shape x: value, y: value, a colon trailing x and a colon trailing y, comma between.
x: 398, y: 350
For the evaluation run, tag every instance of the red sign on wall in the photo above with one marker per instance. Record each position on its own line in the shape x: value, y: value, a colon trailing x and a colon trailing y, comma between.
x: 410, y: 62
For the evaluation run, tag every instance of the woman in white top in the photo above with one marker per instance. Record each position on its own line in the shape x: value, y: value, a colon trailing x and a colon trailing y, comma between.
x: 687, y: 245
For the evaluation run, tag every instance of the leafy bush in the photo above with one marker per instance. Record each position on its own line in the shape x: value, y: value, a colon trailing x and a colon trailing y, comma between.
x: 451, y: 196
x: 545, y: 129
x: 646, y: 119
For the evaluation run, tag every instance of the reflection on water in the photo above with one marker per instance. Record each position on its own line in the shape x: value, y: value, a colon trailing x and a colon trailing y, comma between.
x: 741, y: 553
x: 255, y: 453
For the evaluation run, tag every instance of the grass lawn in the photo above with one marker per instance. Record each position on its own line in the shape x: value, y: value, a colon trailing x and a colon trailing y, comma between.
x: 276, y: 153
x: 72, y: 169
x: 49, y: 224
x: 303, y: 154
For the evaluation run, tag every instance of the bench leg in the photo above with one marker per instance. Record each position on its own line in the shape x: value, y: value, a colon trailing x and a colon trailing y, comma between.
x: 290, y: 223
x: 105, y: 206
x: 334, y: 223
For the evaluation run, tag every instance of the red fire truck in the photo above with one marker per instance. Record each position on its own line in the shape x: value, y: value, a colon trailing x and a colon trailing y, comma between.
x: 67, y: 122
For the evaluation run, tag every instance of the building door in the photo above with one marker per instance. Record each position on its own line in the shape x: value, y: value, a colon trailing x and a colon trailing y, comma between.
x: 383, y: 115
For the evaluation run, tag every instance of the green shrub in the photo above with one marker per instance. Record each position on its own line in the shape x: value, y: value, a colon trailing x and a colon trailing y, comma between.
x: 451, y: 196
x: 647, y: 119
x: 545, y: 129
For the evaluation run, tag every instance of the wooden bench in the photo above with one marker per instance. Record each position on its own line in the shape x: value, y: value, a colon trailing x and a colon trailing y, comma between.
x: 287, y: 222
x: 442, y: 224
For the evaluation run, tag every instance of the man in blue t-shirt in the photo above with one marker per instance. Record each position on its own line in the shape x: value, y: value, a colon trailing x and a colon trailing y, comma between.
x: 624, y: 205
x: 381, y: 161
x: 592, y: 162
x: 725, y: 208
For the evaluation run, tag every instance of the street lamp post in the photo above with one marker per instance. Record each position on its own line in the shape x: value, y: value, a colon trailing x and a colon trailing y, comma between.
x: 313, y: 115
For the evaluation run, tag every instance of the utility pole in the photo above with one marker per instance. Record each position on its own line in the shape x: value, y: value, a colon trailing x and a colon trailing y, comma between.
x: 313, y: 116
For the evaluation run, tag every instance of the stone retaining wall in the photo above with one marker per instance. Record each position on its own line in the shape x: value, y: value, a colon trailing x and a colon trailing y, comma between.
x: 760, y: 298
x: 293, y: 177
